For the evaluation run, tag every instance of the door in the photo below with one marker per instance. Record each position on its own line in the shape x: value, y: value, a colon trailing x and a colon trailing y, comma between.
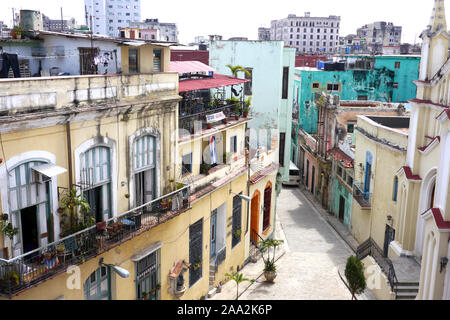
x: 30, y: 232
x: 94, y: 197
x: 255, y: 219
x: 313, y: 176
x: 389, y: 236
x: 98, y: 285
x: 213, y: 234
x: 341, y: 208
x: 144, y: 184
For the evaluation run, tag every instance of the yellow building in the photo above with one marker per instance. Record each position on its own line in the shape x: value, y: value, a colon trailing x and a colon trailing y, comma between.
x: 176, y: 229
x: 424, y: 179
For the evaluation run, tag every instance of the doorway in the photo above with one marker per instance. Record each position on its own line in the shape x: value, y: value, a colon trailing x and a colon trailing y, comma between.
x: 94, y: 197
x: 255, y: 219
x: 313, y: 176
x: 389, y: 236
x: 213, y: 242
x: 341, y: 208
x: 28, y: 218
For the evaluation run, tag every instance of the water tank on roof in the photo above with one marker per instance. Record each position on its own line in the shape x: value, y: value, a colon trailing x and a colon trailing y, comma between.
x: 31, y: 20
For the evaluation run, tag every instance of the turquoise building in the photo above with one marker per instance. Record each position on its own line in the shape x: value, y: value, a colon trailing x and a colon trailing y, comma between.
x: 376, y: 78
x: 272, y: 68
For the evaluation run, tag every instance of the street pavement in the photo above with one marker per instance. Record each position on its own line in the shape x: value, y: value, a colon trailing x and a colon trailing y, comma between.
x: 308, y: 262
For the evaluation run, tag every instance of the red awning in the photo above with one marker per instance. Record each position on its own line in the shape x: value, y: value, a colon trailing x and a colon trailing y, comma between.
x: 217, y: 81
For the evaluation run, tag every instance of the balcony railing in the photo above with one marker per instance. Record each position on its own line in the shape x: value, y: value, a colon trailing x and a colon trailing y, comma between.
x: 188, y: 117
x: 363, y: 198
x: 22, y: 272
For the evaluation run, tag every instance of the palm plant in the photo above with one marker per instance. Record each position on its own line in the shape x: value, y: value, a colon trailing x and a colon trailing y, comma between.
x: 265, y: 246
x: 70, y: 202
x: 236, y: 69
x: 238, y: 278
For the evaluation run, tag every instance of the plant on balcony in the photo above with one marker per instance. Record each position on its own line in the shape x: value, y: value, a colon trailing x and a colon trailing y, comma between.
x: 158, y: 286
x: 180, y: 185
x: 246, y: 108
x: 238, y: 278
x: 144, y: 295
x: 204, y: 168
x: 8, y: 229
x: 77, y: 209
x: 354, y: 272
x: 237, y: 111
x: 197, y: 265
x: 17, y: 32
x: 10, y: 279
x: 232, y: 100
x: 235, y: 70
x: 227, y: 156
x: 266, y: 246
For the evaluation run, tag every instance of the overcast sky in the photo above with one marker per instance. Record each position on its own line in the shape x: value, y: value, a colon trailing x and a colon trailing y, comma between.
x: 234, y: 18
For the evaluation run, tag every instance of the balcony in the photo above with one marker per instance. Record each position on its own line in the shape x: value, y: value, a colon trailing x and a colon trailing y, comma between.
x: 32, y: 268
x: 198, y: 117
x: 363, y: 198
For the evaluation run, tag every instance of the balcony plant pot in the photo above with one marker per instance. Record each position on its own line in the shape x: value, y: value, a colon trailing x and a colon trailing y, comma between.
x: 101, y: 226
x: 236, y: 117
x: 270, y: 275
x: 245, y: 115
x: 209, y: 125
x: 225, y: 121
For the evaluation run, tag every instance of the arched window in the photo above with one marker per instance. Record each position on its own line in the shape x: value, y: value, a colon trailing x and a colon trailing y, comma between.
x: 395, y: 193
x: 98, y: 285
x: 267, y: 205
x: 144, y: 169
x: 368, y: 173
x: 96, y: 181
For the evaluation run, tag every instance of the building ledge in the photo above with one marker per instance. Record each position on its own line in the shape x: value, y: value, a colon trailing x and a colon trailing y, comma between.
x: 409, y: 175
x: 441, y: 224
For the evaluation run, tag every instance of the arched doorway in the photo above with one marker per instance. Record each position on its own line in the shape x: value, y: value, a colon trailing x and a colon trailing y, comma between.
x: 267, y: 206
x: 255, y: 216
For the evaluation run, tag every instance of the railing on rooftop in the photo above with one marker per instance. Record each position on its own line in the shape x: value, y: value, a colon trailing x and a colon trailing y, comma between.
x: 363, y: 198
x: 22, y: 272
x: 188, y: 117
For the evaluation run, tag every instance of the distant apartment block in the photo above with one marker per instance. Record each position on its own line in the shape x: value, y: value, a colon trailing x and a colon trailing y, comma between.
x: 308, y: 34
x: 264, y: 34
x: 58, y: 25
x: 108, y: 16
x: 165, y: 31
x: 380, y: 34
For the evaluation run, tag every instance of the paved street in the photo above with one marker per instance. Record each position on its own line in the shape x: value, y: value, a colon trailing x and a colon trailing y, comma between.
x: 307, y: 270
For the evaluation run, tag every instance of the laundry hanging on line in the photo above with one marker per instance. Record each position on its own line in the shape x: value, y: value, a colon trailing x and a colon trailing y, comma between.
x: 9, y: 61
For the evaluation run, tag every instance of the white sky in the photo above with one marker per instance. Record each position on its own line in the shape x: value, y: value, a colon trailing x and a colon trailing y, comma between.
x: 234, y: 18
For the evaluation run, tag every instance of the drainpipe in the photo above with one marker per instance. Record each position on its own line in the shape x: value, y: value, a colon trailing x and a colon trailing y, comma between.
x: 69, y: 154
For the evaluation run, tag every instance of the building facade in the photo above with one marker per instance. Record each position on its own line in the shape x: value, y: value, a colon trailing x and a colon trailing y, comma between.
x: 380, y: 34
x: 58, y: 25
x: 307, y: 34
x: 164, y: 31
x: 109, y: 16
x: 264, y: 34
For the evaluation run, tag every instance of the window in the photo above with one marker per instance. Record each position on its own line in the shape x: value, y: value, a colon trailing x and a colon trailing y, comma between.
x: 316, y: 85
x: 395, y: 85
x: 133, y: 61
x: 282, y: 146
x: 339, y: 171
x: 395, y: 193
x: 333, y: 87
x: 233, y: 144
x: 98, y: 285
x: 248, y: 85
x: 285, y: 82
x: 397, y: 65
x: 267, y: 205
x: 195, y: 252
x: 350, y: 181
x: 145, y: 169
x: 236, y: 230
x: 86, y: 57
x: 187, y: 163
x: 157, y: 61
x: 350, y: 128
x: 362, y: 98
x: 147, y: 276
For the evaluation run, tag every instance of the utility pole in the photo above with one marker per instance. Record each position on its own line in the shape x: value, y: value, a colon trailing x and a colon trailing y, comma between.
x: 14, y: 18
x: 62, y: 20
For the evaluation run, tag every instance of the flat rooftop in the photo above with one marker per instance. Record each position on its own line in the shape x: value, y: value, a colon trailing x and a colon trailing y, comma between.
x: 397, y: 123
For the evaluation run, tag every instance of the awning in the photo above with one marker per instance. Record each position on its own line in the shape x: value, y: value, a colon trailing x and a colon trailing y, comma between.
x: 49, y: 170
x: 217, y: 81
x: 183, y: 67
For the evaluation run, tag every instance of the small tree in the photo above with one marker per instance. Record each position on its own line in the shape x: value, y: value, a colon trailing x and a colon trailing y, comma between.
x: 70, y: 203
x: 236, y: 69
x: 354, y: 272
x: 238, y: 278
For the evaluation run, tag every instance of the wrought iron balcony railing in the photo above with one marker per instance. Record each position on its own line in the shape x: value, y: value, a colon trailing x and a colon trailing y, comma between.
x: 363, y: 198
x: 188, y: 117
x: 22, y: 272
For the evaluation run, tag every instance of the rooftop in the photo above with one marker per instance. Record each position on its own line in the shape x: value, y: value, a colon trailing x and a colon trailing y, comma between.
x: 398, y: 123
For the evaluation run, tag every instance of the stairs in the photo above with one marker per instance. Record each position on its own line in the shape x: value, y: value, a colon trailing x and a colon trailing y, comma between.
x: 212, y: 278
x: 406, y: 290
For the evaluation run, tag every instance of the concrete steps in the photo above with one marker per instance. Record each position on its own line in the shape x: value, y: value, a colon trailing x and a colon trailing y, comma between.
x: 212, y: 278
x: 406, y: 290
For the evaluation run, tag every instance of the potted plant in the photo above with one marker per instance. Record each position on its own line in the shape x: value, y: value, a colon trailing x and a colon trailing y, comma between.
x: 209, y: 125
x: 8, y: 229
x: 72, y: 202
x: 238, y: 278
x: 17, y: 32
x: 158, y: 286
x: 246, y: 108
x: 237, y: 111
x: 152, y: 292
x: 180, y: 185
x: 197, y: 265
x: 144, y: 295
x: 227, y: 156
x: 270, y: 269
x: 204, y: 168
x: 225, y: 120
x: 237, y: 233
x: 60, y: 249
x: 9, y: 280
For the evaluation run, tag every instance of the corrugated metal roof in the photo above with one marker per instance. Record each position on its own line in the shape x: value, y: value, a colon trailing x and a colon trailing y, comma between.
x: 217, y: 81
x: 189, y: 67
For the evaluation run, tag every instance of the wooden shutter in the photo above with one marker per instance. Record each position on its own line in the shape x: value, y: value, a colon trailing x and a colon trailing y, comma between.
x: 237, y: 221
x: 267, y: 204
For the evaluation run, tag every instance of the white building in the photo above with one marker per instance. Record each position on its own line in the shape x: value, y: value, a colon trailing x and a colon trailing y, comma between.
x: 167, y: 31
x: 308, y: 34
x: 108, y: 16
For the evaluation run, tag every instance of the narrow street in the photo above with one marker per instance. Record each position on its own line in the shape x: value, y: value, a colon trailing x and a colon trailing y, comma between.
x: 308, y: 270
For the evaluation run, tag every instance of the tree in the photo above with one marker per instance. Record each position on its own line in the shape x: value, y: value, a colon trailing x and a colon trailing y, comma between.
x: 354, y: 272
x: 236, y: 69
x: 238, y: 278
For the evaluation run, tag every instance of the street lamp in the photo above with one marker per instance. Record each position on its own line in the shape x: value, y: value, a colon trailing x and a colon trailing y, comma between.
x: 120, y: 271
x: 241, y: 196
